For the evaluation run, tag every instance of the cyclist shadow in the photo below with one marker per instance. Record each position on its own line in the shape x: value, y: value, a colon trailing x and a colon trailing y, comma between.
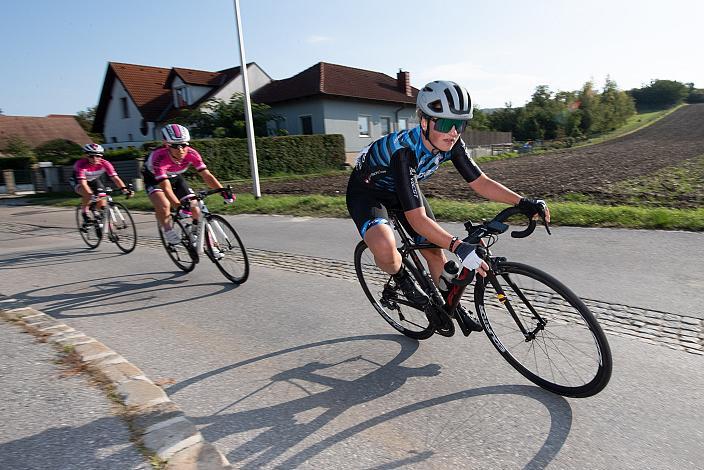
x: 52, y: 258
x: 127, y: 293
x: 283, y: 430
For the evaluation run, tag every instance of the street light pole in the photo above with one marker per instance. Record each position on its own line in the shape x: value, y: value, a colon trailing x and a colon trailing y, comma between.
x: 247, y: 108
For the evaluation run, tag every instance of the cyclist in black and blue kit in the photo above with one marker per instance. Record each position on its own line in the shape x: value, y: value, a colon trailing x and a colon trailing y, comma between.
x: 386, y: 178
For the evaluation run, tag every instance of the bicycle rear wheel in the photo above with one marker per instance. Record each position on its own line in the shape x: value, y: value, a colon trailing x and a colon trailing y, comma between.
x: 183, y: 255
x: 387, y: 298
x: 121, y: 228
x: 561, y: 348
x: 224, y: 247
x: 90, y: 230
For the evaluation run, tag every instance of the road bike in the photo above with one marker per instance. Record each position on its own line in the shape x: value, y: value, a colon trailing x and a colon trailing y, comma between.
x: 534, y: 321
x: 213, y: 236
x: 113, y: 219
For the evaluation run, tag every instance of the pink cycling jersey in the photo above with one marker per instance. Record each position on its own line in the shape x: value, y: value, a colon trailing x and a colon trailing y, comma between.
x: 83, y: 169
x: 162, y: 166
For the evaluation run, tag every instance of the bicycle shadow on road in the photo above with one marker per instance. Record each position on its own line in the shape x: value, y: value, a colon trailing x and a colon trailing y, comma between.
x: 38, y: 259
x: 116, y: 295
x: 283, y: 428
x: 92, y: 445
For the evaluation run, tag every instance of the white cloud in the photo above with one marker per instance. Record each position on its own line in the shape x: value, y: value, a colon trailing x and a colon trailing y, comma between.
x: 316, y: 39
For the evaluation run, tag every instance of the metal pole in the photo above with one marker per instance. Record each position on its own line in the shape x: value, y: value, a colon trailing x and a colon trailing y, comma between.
x: 247, y: 108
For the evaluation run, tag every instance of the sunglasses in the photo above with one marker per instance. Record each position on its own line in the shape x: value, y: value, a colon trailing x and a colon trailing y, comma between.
x: 178, y: 146
x: 95, y: 155
x: 445, y: 125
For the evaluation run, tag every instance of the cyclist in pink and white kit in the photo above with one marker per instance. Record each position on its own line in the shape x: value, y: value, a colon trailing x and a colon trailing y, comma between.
x: 164, y: 182
x: 87, y: 179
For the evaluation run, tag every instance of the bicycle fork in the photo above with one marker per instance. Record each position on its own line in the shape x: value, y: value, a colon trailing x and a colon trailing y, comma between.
x: 501, y: 296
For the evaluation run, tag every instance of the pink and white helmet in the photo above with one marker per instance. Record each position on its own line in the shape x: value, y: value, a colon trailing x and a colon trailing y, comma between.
x: 93, y: 149
x: 175, y: 134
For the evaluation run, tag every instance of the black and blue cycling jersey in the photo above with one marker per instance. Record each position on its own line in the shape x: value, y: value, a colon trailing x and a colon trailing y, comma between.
x: 387, y: 172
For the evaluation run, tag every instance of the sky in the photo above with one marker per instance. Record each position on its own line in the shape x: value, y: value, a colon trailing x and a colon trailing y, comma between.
x: 54, y: 54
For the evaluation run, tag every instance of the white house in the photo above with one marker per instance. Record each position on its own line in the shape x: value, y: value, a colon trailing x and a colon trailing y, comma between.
x: 138, y: 100
x: 362, y: 105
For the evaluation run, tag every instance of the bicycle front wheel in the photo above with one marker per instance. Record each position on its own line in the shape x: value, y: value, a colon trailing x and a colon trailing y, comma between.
x: 224, y: 247
x: 121, y: 228
x: 387, y: 297
x: 183, y: 254
x: 89, y: 229
x: 543, y: 330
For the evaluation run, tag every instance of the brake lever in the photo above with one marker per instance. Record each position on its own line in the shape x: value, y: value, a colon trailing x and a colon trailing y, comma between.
x: 545, y: 224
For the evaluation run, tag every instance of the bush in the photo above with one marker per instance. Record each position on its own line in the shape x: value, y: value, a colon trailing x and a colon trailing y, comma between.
x: 124, y: 154
x: 16, y: 147
x: 58, y: 152
x: 228, y: 158
x: 16, y: 163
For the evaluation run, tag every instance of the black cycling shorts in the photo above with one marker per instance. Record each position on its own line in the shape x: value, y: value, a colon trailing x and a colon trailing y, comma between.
x: 96, y: 185
x: 368, y: 207
x: 178, y: 185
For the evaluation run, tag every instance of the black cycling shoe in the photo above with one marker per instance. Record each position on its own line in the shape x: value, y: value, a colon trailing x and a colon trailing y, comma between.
x: 468, y: 318
x: 410, y: 290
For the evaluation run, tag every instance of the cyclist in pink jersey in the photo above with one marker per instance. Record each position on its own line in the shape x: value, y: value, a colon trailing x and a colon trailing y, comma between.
x: 87, y: 179
x: 164, y: 182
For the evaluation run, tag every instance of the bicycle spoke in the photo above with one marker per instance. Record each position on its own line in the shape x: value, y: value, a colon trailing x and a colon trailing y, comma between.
x: 562, y: 353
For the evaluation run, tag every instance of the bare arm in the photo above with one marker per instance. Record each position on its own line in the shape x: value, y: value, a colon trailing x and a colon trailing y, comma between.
x: 118, y: 182
x: 210, y: 180
x: 494, y: 191
x: 427, y: 227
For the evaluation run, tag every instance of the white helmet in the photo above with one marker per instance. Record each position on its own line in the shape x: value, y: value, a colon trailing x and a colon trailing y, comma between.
x: 93, y: 149
x: 443, y: 99
x: 175, y: 134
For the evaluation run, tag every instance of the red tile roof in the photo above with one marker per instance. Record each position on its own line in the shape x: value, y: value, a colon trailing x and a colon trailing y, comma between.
x: 38, y: 130
x: 337, y: 80
x: 201, y: 77
x: 149, y: 87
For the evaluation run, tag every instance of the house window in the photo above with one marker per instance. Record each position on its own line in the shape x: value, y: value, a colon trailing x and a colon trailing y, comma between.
x: 306, y: 125
x: 114, y: 139
x: 363, y: 124
x: 181, y: 97
x: 129, y: 137
x: 385, y: 125
x: 402, y: 124
x: 125, y: 108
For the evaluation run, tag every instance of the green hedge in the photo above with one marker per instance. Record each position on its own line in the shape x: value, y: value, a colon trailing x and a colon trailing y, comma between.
x: 16, y: 163
x: 228, y: 158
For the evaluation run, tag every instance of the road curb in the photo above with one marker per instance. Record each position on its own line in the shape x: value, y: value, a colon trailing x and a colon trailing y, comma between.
x: 154, y: 420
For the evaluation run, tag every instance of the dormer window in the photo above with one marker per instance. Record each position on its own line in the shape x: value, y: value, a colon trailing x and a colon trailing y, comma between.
x: 181, y: 97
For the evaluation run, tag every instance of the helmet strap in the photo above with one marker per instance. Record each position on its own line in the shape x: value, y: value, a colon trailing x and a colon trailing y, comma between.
x: 427, y: 135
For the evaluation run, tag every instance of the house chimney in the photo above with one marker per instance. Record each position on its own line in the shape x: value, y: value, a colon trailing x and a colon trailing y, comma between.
x: 403, y: 80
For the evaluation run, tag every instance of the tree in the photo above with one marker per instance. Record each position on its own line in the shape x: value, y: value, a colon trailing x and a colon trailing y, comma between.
x: 479, y: 121
x: 16, y: 147
x: 659, y: 94
x: 219, y: 118
x: 59, y: 151
x: 85, y: 119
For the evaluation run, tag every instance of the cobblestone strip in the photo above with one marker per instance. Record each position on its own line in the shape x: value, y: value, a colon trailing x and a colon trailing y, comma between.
x: 681, y: 332
x: 674, y: 331
x: 154, y: 419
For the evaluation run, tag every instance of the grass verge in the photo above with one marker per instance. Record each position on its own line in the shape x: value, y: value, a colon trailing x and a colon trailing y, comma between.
x: 577, y: 214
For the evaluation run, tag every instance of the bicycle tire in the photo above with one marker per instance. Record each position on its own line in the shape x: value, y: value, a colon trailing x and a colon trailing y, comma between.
x: 383, y: 295
x: 91, y: 233
x: 569, y: 355
x: 225, y: 248
x: 121, y: 231
x: 183, y: 255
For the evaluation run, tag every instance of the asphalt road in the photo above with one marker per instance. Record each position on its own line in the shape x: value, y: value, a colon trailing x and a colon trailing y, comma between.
x: 294, y: 369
